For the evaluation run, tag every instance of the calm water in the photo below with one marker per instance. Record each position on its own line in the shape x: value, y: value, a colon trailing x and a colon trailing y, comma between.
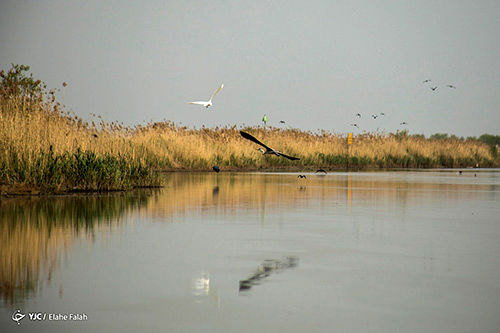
x: 358, y: 252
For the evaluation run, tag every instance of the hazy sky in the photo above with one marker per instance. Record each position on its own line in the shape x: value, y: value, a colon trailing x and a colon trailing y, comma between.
x: 314, y: 64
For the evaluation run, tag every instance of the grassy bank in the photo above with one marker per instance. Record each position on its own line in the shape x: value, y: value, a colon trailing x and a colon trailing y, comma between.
x: 45, y: 148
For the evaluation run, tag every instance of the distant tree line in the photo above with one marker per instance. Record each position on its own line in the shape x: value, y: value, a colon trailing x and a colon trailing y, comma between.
x: 491, y: 140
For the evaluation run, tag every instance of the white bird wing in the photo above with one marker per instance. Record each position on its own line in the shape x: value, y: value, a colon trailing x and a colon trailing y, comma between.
x: 218, y: 89
x: 199, y: 103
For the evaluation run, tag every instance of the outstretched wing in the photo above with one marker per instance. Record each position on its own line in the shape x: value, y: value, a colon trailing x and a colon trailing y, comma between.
x: 198, y: 102
x: 252, y: 138
x: 218, y: 89
x: 289, y: 157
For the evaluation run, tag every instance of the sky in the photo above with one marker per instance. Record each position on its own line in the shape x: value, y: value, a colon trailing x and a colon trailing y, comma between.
x: 312, y: 64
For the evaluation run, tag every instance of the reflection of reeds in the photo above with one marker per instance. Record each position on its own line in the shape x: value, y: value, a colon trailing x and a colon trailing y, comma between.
x: 225, y: 194
x: 28, y: 252
x: 35, y: 233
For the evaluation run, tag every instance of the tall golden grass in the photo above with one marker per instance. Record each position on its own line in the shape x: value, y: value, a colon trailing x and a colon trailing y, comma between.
x: 183, y: 148
x: 42, y: 147
x: 45, y: 148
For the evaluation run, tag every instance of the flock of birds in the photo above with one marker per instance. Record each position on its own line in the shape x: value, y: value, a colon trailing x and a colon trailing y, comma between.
x: 374, y: 116
x: 264, y: 149
x: 403, y: 123
x: 435, y: 87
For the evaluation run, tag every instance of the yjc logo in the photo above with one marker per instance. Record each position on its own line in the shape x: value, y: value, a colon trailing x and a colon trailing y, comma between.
x: 17, y: 316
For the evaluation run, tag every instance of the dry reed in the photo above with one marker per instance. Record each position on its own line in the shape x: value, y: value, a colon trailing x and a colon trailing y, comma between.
x: 45, y: 148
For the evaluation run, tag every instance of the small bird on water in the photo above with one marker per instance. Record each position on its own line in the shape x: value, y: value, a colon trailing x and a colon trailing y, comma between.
x: 216, y: 168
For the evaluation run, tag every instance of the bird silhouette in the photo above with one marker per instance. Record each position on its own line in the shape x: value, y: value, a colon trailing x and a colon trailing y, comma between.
x: 403, y: 123
x: 302, y: 176
x: 374, y: 116
x: 355, y: 125
x: 451, y: 86
x: 433, y: 88
x: 282, y: 121
x: 216, y: 168
x: 425, y: 81
x: 382, y: 114
x: 267, y: 149
x: 321, y: 171
x: 358, y: 115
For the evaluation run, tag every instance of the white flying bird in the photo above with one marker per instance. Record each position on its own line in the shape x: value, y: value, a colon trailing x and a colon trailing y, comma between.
x: 209, y: 102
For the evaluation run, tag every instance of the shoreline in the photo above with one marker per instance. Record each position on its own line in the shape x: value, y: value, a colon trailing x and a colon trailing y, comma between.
x: 17, y: 191
x: 45, y: 149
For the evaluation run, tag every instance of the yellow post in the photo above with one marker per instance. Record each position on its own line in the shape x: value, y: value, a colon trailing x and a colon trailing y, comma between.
x: 349, y: 143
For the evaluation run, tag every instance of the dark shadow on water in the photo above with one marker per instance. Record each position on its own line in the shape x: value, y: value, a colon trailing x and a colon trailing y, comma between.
x: 215, y: 191
x: 268, y: 267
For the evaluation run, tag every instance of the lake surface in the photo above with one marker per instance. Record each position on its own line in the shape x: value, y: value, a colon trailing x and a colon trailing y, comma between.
x: 259, y: 252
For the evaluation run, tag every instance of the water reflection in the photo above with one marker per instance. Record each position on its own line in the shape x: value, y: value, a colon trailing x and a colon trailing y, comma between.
x: 266, y: 268
x: 203, y: 194
x: 215, y: 191
x: 202, y: 289
x: 201, y: 284
x: 35, y: 233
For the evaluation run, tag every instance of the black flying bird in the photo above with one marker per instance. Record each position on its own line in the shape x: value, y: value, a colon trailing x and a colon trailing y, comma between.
x: 267, y: 149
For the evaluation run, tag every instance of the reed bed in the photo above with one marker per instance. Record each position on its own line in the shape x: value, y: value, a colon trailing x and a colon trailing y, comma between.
x: 44, y: 148
x: 183, y: 148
